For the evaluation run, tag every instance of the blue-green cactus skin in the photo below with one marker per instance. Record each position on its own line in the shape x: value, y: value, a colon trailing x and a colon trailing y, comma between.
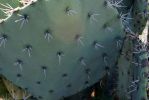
x: 56, y: 48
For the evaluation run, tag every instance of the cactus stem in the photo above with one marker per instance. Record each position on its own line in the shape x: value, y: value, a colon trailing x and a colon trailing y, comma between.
x: 23, y: 18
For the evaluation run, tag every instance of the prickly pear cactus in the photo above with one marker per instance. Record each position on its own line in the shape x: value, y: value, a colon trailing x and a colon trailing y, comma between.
x: 56, y: 48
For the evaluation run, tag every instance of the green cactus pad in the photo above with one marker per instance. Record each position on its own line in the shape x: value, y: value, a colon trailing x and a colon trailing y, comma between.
x: 61, y: 48
x: 56, y: 48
